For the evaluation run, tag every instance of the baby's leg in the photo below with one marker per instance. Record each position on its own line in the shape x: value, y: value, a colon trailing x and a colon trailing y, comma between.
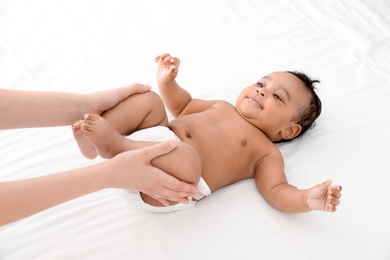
x: 85, y: 146
x: 95, y: 136
x: 136, y: 112
x: 183, y: 163
x: 101, y: 101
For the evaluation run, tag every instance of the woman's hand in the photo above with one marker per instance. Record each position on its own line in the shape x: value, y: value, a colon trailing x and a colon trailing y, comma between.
x: 133, y: 170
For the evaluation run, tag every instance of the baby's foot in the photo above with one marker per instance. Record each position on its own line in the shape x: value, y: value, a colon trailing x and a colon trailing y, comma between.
x: 101, y: 135
x: 86, y: 148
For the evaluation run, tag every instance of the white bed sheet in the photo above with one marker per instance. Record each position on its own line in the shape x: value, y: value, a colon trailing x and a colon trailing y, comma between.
x: 224, y: 45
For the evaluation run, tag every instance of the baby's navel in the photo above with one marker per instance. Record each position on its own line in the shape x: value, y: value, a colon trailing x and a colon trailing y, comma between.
x: 188, y: 135
x: 243, y: 142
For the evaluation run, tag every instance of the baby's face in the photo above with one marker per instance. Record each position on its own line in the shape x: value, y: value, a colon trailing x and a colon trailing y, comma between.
x: 273, y: 104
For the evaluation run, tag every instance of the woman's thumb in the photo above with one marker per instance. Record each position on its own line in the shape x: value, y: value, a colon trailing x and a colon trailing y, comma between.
x: 160, y: 149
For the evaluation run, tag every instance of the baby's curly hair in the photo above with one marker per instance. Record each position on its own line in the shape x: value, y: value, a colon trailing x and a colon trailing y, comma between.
x: 310, y: 114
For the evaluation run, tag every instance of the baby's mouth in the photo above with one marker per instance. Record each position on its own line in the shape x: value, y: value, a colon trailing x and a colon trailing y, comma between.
x: 255, y: 102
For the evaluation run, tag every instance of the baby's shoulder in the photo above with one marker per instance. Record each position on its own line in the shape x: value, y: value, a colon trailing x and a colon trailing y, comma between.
x: 268, y: 151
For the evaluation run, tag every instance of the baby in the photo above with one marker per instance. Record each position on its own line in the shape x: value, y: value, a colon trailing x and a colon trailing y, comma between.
x: 220, y: 143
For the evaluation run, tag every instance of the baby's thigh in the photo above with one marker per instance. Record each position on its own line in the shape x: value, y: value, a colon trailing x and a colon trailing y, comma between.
x: 137, y: 112
x: 183, y: 163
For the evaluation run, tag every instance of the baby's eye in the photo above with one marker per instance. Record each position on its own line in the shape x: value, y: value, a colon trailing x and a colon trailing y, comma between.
x: 260, y: 85
x: 277, y: 97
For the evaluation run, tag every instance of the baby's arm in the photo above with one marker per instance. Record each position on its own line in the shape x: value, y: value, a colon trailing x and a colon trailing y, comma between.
x: 176, y: 99
x: 272, y: 184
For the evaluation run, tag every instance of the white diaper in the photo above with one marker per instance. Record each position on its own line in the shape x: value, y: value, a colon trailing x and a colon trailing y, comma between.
x: 154, y: 134
x: 160, y: 134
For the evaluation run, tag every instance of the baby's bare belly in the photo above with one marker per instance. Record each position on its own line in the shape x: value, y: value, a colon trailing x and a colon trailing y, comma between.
x: 226, y: 157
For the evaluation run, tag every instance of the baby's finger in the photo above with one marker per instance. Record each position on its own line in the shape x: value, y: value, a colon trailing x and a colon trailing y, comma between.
x: 160, y: 58
x: 332, y: 203
x: 167, y: 60
x: 175, y: 61
x: 333, y: 200
x: 335, y: 191
x: 331, y: 208
x: 172, y: 69
x: 337, y: 188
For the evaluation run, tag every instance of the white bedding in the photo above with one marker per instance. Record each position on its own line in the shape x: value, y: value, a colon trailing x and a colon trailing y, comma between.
x: 224, y: 45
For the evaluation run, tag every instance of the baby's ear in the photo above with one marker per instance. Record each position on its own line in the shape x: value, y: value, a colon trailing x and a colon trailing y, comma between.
x: 291, y: 131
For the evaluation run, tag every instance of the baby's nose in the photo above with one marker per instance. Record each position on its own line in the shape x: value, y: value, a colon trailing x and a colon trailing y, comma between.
x: 260, y: 92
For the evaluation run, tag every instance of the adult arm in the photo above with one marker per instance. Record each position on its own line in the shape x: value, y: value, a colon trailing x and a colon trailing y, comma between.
x: 20, y: 109
x: 128, y: 170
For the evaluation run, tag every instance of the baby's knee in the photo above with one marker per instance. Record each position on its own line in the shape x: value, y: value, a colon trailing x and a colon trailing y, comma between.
x: 137, y: 112
x: 156, y: 114
x: 148, y: 100
x: 151, y: 96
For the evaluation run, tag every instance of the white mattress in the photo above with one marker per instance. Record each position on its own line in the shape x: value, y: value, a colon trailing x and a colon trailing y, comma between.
x: 224, y: 45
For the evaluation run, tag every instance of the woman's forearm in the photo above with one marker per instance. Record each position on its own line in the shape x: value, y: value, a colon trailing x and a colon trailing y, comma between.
x: 22, y: 198
x: 20, y: 109
x: 129, y: 170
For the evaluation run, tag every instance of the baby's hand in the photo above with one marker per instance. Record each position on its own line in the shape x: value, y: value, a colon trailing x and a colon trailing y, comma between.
x: 323, y: 196
x: 167, y: 67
